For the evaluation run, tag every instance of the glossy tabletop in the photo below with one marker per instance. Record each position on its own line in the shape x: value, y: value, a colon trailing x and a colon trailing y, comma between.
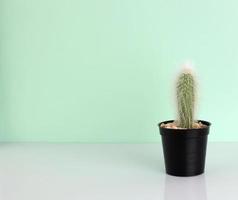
x: 35, y: 171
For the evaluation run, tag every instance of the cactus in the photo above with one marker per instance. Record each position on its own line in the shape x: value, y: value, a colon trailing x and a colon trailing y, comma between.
x: 185, y: 91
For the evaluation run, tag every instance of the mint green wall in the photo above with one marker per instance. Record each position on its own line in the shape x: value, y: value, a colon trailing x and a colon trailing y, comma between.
x: 102, y: 70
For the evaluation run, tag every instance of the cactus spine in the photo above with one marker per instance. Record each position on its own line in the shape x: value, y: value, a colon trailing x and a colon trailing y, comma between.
x: 185, y: 99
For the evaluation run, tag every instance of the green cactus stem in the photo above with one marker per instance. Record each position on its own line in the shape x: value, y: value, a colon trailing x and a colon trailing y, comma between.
x: 185, y: 99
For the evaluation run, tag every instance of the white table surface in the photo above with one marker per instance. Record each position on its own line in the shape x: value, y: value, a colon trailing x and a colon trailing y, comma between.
x: 111, y: 172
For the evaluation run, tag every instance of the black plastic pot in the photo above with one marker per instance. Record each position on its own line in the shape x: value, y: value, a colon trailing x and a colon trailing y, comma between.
x: 184, y: 149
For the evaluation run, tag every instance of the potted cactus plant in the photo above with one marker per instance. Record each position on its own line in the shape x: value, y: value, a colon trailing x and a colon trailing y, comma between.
x: 185, y: 139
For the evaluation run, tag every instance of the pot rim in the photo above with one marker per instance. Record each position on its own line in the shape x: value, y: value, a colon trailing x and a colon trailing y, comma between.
x: 187, y: 133
x: 207, y: 123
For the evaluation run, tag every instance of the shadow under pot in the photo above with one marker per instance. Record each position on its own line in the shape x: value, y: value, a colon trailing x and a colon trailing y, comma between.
x: 184, y: 149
